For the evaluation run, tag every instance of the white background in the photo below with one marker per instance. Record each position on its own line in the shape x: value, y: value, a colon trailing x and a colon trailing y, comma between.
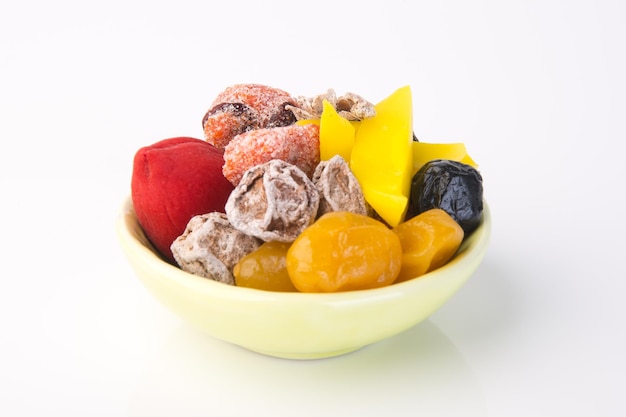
x: 535, y: 89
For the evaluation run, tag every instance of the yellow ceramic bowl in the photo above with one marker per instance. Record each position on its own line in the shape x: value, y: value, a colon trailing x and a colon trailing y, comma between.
x: 297, y: 325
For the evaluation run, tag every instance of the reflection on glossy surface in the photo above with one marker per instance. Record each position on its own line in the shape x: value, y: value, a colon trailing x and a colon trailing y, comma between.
x: 201, y: 374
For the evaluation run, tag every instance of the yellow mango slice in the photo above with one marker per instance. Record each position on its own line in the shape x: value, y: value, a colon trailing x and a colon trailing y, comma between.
x: 425, y: 152
x: 382, y: 156
x: 308, y: 122
x: 336, y: 134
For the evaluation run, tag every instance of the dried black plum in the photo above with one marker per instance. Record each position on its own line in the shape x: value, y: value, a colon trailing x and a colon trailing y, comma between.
x: 452, y: 186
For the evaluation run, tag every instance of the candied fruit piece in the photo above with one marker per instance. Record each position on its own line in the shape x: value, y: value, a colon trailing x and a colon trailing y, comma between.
x: 226, y: 120
x: 426, y: 152
x: 428, y: 240
x: 266, y: 100
x: 210, y: 247
x: 243, y: 107
x: 382, y: 154
x: 265, y: 269
x: 339, y: 190
x: 344, y: 251
x: 452, y: 186
x: 172, y: 181
x: 273, y: 201
x: 336, y: 134
x: 295, y: 144
x: 281, y: 116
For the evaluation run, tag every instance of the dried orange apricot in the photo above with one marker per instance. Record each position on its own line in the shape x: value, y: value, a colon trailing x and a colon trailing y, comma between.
x: 429, y: 240
x: 265, y: 268
x: 344, y: 251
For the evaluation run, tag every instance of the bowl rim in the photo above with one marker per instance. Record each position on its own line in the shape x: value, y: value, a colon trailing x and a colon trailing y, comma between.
x: 138, y: 248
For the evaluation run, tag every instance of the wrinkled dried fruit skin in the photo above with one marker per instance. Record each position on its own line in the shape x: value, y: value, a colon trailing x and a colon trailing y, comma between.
x: 452, y: 186
x: 338, y: 188
x: 265, y: 269
x: 210, y: 247
x: 344, y: 251
x: 274, y: 201
x: 172, y: 181
x: 429, y: 240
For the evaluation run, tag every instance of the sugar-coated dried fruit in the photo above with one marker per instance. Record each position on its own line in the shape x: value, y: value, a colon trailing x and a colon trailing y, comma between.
x: 339, y: 190
x: 172, y: 181
x: 350, y: 106
x: 429, y: 240
x: 210, y: 247
x: 265, y: 99
x: 344, y: 251
x: 226, y: 120
x: 265, y: 269
x: 309, y: 194
x: 452, y: 186
x: 295, y: 144
x: 243, y: 107
x: 274, y: 201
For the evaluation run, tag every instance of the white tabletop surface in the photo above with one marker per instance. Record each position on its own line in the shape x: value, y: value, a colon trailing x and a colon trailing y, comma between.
x: 536, y: 90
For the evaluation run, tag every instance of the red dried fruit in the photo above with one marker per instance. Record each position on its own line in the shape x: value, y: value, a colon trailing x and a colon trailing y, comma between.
x: 172, y: 181
x: 226, y: 120
x: 244, y: 107
x: 265, y: 100
x: 295, y: 144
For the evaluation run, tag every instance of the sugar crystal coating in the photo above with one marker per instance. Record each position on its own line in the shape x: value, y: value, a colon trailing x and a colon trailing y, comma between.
x: 349, y: 106
x: 274, y: 201
x: 297, y: 144
x: 226, y: 120
x: 264, y: 99
x: 338, y: 188
x: 243, y: 107
x: 210, y: 247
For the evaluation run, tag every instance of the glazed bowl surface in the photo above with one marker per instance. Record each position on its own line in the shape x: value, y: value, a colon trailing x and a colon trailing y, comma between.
x: 297, y: 325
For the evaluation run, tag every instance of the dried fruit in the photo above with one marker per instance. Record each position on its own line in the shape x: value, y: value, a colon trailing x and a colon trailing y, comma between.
x: 265, y: 269
x: 281, y: 116
x: 452, y: 186
x: 226, y: 120
x: 336, y: 134
x: 243, y: 107
x: 344, y: 251
x: 210, y: 247
x: 298, y: 145
x: 382, y: 156
x: 349, y: 106
x: 429, y: 240
x: 266, y: 100
x: 339, y: 190
x: 426, y: 152
x: 172, y: 181
x: 274, y: 201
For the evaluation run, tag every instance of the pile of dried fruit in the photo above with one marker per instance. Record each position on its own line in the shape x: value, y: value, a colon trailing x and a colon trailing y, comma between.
x: 317, y: 194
